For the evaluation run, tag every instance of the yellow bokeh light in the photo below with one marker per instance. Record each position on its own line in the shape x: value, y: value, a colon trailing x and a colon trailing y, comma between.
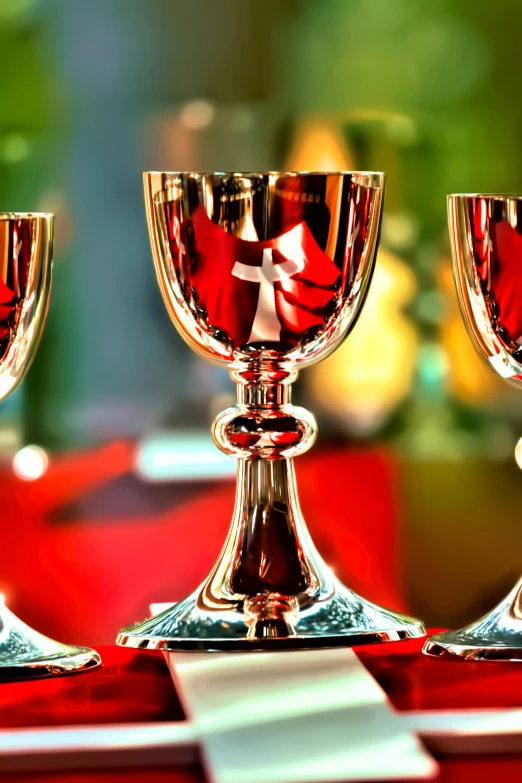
x: 319, y: 146
x: 373, y: 370
x: 470, y: 379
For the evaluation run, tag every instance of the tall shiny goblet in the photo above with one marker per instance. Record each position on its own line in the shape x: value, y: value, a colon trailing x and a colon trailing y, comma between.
x: 265, y: 273
x: 26, y: 242
x: 486, y: 243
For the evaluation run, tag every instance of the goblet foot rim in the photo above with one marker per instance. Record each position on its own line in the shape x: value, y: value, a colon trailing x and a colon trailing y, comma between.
x: 186, y: 627
x: 456, y: 646
x: 73, y: 660
x: 495, y: 637
x: 266, y: 645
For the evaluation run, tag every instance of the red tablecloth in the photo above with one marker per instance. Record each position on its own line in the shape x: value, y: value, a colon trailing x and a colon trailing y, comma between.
x: 137, y: 775
x: 469, y: 769
x: 418, y: 682
x: 128, y: 688
x: 135, y: 686
x: 87, y: 548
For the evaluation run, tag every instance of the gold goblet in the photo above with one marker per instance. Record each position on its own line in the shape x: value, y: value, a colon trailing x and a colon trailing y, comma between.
x: 265, y: 273
x: 26, y: 242
x: 486, y: 244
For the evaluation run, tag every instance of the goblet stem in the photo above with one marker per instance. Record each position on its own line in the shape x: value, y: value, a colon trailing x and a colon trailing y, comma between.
x: 263, y: 558
x: 264, y: 425
x: 267, y: 533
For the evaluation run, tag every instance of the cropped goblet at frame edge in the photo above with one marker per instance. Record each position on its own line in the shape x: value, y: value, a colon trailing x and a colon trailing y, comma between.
x: 486, y: 244
x: 26, y: 243
x: 265, y: 273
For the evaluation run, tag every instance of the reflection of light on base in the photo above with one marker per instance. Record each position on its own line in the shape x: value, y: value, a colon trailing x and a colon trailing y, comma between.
x: 2, y: 598
x: 30, y: 463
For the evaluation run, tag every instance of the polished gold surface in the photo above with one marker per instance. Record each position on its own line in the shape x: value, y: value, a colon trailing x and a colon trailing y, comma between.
x: 26, y: 244
x: 486, y: 242
x: 25, y: 653
x: 266, y: 273
x: 486, y: 248
x: 25, y: 281
x: 495, y: 637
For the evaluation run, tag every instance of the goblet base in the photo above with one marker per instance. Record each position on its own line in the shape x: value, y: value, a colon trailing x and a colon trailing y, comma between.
x: 495, y: 637
x: 341, y: 619
x: 25, y: 653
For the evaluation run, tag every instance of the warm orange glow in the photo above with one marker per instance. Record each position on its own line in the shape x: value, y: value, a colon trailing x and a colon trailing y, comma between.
x: 319, y: 146
x: 373, y: 370
x: 470, y: 379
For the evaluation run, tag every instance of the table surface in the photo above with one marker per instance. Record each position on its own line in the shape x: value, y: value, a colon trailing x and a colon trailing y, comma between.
x: 84, y: 535
x: 135, y: 686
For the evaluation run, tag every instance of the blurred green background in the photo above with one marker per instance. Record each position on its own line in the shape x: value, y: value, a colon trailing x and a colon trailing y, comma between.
x: 93, y: 93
